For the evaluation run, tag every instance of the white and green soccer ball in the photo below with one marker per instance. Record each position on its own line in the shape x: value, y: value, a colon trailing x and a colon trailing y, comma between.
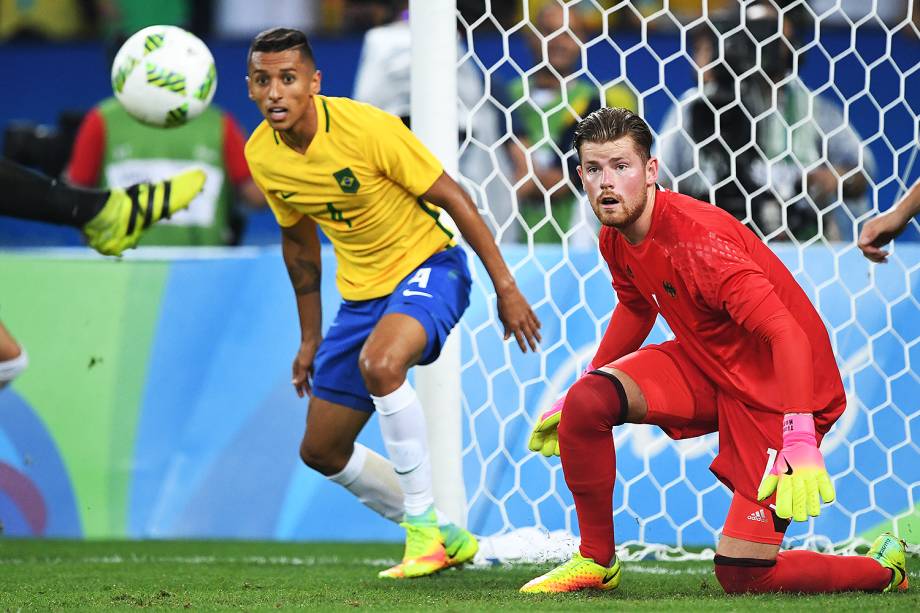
x: 164, y: 76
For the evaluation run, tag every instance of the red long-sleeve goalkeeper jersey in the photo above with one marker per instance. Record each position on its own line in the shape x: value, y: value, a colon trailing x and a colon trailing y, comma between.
x: 733, y: 306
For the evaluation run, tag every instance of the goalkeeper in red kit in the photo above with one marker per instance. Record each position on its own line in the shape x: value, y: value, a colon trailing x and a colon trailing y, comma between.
x: 751, y: 359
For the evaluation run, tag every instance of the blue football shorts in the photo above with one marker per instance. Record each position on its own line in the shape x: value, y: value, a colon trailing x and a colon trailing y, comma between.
x: 435, y: 294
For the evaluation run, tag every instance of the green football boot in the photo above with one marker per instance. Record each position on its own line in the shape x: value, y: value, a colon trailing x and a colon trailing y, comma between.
x: 888, y: 550
x: 130, y: 211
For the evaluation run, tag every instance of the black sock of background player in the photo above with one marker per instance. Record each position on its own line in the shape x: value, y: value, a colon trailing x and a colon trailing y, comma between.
x: 30, y: 195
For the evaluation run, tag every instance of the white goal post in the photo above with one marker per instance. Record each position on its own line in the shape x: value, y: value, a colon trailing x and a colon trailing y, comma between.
x: 853, y: 73
x: 434, y: 121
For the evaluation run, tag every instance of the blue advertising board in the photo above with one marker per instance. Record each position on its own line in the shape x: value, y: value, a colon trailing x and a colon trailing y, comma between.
x: 158, y: 403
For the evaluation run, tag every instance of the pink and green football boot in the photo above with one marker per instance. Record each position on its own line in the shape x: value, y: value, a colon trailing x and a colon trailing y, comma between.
x: 431, y: 548
x: 888, y: 550
x: 579, y: 573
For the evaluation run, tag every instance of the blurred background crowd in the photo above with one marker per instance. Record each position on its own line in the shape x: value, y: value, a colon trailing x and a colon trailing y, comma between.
x: 804, y: 170
x: 114, y: 19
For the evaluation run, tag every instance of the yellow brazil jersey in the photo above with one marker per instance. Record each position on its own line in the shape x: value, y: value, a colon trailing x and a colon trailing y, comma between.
x: 360, y: 180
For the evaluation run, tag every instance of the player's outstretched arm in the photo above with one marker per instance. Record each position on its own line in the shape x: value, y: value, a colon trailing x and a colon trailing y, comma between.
x: 301, y: 252
x: 881, y: 230
x: 516, y: 315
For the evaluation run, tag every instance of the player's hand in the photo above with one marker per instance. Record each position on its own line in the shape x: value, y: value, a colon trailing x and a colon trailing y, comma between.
x: 544, y: 438
x: 302, y: 369
x: 877, y: 233
x: 798, y: 476
x: 518, y: 318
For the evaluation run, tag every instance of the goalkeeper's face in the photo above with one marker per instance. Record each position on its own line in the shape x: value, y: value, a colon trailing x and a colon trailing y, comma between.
x: 282, y: 84
x: 618, y: 181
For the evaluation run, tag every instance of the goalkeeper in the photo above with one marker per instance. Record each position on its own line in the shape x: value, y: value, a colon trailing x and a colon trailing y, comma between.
x: 751, y: 360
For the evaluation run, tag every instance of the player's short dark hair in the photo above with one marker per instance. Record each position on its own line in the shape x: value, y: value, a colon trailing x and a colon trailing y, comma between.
x: 281, y: 39
x: 611, y: 123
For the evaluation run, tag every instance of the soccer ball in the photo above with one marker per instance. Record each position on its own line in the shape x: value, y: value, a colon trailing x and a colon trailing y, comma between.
x: 164, y: 76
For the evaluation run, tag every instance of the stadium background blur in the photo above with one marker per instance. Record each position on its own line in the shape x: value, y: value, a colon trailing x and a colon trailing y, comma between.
x: 175, y: 416
x: 55, y: 56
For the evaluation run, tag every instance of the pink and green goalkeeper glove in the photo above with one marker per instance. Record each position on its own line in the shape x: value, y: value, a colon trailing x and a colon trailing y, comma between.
x: 544, y: 438
x: 798, y: 475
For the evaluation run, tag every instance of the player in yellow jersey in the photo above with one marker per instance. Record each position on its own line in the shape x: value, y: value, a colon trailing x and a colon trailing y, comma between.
x: 374, y: 189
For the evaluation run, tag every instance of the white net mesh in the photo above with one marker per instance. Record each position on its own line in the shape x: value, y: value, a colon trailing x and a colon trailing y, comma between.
x: 800, y: 118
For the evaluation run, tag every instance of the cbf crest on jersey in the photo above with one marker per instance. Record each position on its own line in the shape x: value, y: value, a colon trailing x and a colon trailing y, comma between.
x: 347, y: 180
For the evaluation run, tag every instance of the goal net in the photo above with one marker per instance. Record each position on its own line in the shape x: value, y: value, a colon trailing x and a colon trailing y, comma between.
x: 801, y: 118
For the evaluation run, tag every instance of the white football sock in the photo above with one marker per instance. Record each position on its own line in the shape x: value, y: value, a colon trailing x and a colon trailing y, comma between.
x: 370, y: 477
x: 402, y: 424
x: 10, y: 369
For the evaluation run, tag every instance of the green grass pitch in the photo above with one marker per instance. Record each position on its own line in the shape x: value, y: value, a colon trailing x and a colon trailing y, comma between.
x: 211, y: 575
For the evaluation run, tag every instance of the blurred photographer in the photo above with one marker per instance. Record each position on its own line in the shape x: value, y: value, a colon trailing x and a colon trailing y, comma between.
x: 778, y: 157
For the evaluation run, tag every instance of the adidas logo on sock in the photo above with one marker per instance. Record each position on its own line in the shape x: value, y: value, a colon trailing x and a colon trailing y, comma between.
x: 758, y: 515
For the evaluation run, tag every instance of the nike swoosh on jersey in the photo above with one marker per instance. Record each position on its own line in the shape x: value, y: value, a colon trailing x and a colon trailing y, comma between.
x: 286, y: 195
x: 412, y: 292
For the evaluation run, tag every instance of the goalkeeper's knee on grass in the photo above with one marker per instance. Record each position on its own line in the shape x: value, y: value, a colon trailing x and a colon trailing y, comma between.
x: 811, y: 572
x: 744, y: 575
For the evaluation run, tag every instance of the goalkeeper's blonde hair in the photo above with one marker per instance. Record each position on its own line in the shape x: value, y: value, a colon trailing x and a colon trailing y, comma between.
x: 611, y: 123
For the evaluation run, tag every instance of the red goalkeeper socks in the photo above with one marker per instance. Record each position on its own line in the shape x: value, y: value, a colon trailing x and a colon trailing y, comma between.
x: 801, y: 571
x: 592, y: 407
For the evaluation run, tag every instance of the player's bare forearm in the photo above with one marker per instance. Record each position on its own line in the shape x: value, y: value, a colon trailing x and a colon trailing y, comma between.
x: 909, y: 205
x: 886, y: 227
x: 516, y: 315
x: 448, y: 195
x: 301, y: 252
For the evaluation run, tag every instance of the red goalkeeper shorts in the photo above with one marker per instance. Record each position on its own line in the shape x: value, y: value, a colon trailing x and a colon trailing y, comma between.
x: 685, y: 403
